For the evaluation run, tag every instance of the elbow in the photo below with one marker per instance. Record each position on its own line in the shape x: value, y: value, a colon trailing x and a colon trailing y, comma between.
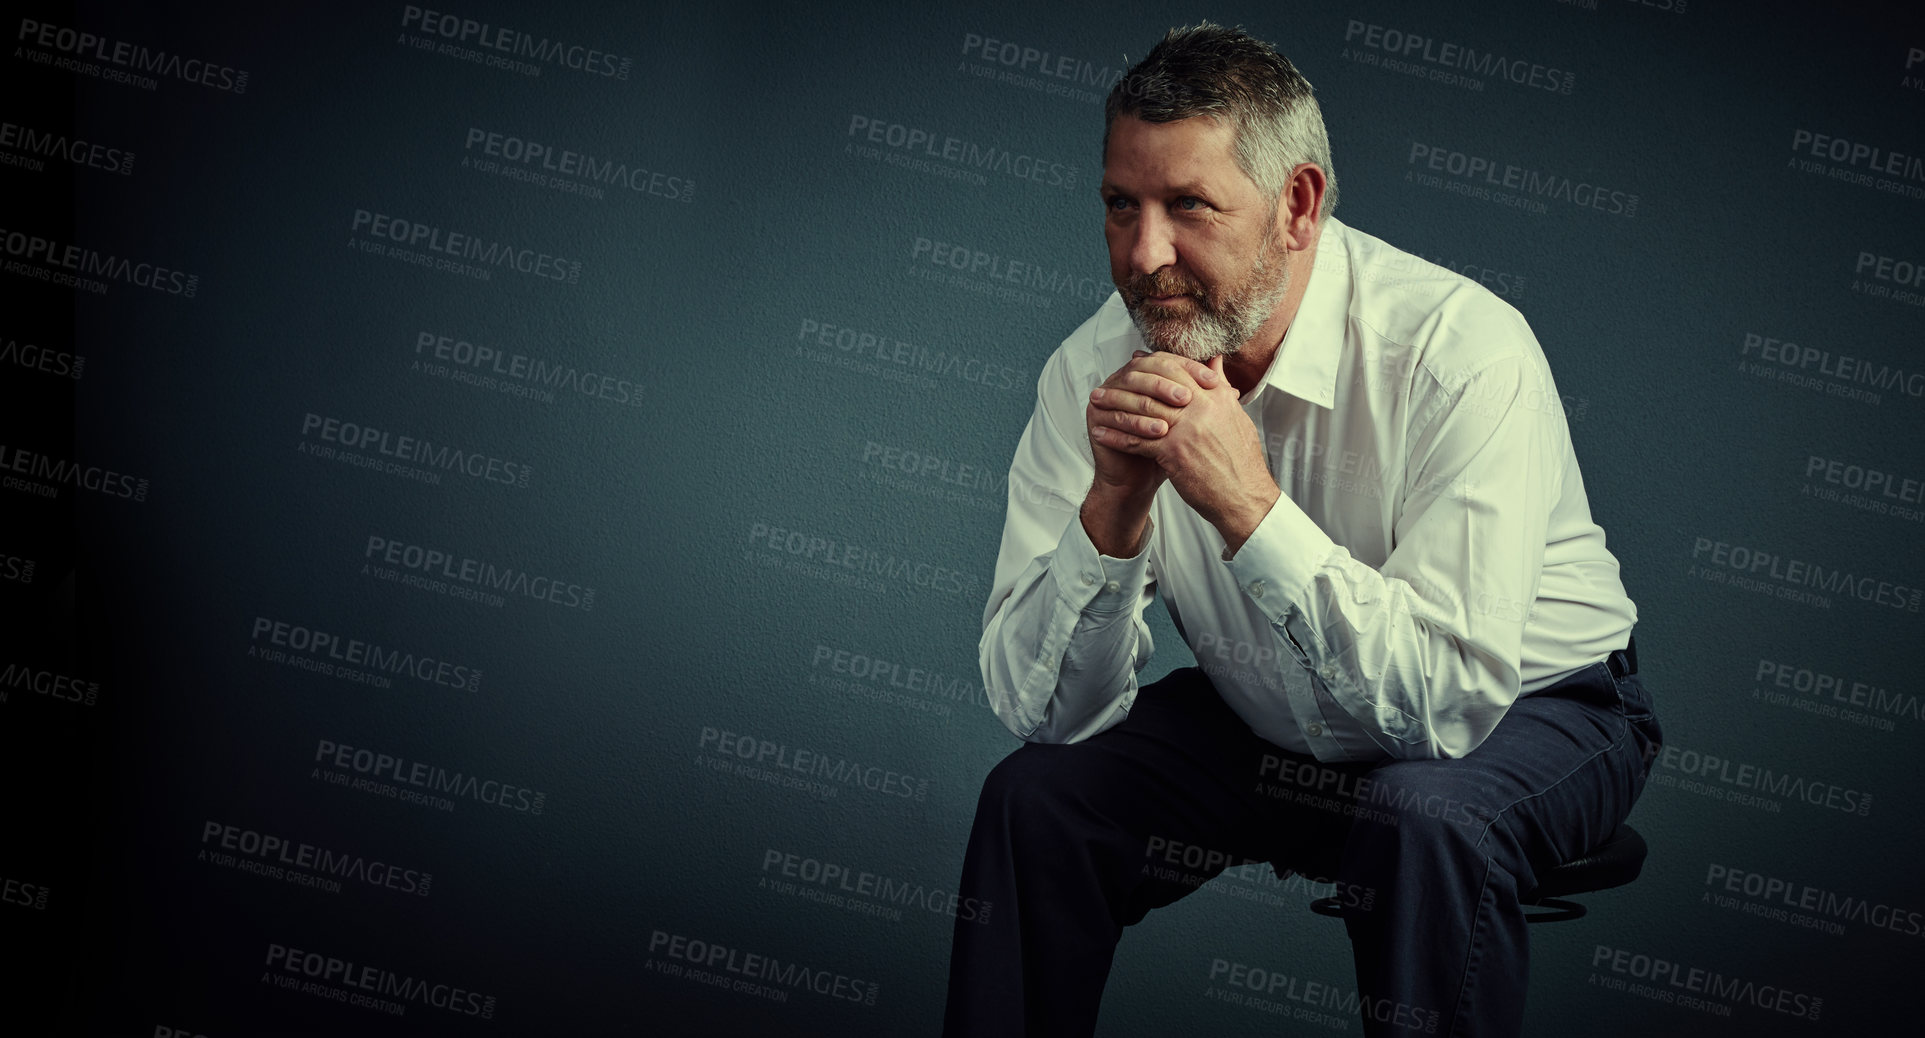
x: 1057, y: 725
x: 1463, y: 733
x: 1007, y: 707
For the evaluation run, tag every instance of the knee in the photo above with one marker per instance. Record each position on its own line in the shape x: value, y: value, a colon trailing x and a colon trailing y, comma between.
x: 1033, y: 790
x: 1423, y: 803
x: 1025, y: 775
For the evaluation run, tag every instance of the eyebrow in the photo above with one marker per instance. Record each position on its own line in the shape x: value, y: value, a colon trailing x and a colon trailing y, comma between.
x: 1177, y: 190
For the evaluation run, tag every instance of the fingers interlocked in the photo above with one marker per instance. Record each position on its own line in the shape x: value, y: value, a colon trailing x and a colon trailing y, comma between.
x: 1146, y: 396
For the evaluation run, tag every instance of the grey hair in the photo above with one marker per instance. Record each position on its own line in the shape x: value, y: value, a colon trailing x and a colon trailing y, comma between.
x: 1206, y: 69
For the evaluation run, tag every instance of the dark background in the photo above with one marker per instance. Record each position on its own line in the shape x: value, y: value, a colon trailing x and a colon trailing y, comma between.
x: 729, y: 414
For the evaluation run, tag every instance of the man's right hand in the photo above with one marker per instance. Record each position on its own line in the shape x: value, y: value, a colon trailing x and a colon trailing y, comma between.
x: 1139, y: 401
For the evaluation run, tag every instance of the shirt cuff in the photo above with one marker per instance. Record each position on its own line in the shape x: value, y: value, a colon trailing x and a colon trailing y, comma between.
x: 1275, y: 566
x: 1092, y: 582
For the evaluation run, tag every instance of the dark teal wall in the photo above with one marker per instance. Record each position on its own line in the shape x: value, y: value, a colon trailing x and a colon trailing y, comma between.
x: 710, y: 522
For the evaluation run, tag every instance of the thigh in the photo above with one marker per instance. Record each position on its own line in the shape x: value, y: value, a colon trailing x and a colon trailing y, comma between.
x: 1554, y: 780
x: 1168, y: 792
x: 1309, y: 807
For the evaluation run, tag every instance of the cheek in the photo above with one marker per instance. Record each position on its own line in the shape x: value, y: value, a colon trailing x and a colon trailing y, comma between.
x: 1119, y: 246
x: 1225, y: 275
x: 1201, y: 258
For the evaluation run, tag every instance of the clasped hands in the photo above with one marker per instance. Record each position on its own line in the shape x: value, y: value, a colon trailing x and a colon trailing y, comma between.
x: 1161, y: 417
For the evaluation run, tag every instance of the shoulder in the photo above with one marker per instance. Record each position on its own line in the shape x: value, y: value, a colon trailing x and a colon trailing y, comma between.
x: 1453, y: 325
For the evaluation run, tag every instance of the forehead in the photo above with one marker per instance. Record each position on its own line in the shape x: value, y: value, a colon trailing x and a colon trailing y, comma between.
x: 1147, y: 156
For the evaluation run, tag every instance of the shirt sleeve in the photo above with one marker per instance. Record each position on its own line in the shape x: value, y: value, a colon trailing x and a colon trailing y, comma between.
x: 1425, y: 653
x: 1063, y: 632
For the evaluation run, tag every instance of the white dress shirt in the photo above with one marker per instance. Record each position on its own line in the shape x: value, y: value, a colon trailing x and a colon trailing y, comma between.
x: 1432, y: 556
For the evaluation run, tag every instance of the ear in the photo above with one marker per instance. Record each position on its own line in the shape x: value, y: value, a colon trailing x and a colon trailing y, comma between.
x: 1299, y: 208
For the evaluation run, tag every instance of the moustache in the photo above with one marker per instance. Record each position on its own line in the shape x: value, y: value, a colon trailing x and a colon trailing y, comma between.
x: 1162, y: 283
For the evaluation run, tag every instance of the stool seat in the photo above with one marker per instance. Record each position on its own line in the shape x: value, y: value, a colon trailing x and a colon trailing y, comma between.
x: 1614, y: 863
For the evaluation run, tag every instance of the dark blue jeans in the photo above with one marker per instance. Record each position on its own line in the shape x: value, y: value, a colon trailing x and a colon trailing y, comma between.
x: 1073, y: 843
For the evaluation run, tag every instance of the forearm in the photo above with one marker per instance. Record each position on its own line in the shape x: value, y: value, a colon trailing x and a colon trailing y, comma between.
x: 1413, y: 652
x: 1060, y: 654
x: 1423, y: 679
x: 1116, y: 520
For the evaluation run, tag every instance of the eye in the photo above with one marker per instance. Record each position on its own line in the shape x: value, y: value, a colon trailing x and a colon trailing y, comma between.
x: 1191, y: 204
x: 1116, y: 203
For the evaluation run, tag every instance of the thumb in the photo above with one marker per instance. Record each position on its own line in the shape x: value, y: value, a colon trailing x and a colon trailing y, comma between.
x: 1216, y: 365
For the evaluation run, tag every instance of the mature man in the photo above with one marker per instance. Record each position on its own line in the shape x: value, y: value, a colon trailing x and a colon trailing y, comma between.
x: 1349, y: 472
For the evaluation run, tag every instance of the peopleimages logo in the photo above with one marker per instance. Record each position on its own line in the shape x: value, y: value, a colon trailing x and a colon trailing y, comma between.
x: 865, y: 567
x: 385, y: 774
x: 17, y: 569
x: 1682, y: 984
x: 1864, y: 487
x: 861, y: 891
x: 1786, y: 901
x: 1273, y: 991
x: 48, y: 683
x: 1792, y: 362
x: 907, y: 360
x: 466, y: 253
x: 1815, y: 685
x: 1798, y: 576
x: 1865, y: 165
x: 1039, y: 62
x: 42, y: 359
x: 1037, y: 69
x: 90, y: 269
x: 31, y: 146
x: 372, y: 987
x: 357, y: 437
x: 23, y: 894
x: 978, y: 270
x: 1482, y: 177
x: 516, y: 374
x: 464, y: 577
x: 325, y: 650
x: 63, y: 471
x: 871, y: 677
x: 302, y: 863
x: 1459, y: 57
x: 771, y: 761
x: 135, y: 57
x: 1889, y: 277
x: 538, y: 159
x: 1888, y: 268
x: 936, y: 468
x: 1700, y: 767
x: 960, y: 153
x: 502, y: 40
x: 760, y: 975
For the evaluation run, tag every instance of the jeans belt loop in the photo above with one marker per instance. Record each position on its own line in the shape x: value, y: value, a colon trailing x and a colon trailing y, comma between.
x: 1624, y: 662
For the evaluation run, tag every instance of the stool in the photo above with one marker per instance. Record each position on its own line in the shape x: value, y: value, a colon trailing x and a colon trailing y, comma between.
x: 1614, y: 864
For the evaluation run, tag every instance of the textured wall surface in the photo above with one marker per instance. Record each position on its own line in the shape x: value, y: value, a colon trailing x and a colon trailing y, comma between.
x: 499, y: 500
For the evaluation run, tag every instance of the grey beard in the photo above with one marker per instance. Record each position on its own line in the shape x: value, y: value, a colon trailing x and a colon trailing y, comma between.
x: 1214, y: 333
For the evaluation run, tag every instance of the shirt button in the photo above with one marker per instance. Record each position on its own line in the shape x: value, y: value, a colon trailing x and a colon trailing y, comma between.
x: 1315, y: 729
x: 1088, y: 579
x: 1256, y: 589
x: 1112, y: 586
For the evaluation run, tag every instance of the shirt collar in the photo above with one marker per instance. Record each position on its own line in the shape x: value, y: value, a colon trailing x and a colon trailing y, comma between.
x: 1305, y: 365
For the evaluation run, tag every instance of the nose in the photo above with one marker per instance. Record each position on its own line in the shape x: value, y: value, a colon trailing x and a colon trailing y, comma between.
x: 1153, y: 243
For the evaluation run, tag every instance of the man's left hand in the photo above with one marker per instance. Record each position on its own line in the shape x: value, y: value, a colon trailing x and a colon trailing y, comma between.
x: 1214, y: 458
